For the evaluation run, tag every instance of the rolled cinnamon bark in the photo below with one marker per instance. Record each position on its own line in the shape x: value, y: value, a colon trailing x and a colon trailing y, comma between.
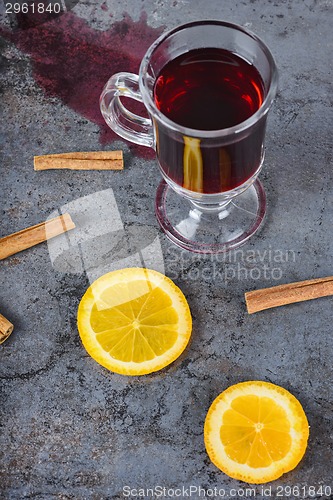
x: 90, y: 160
x: 6, y: 328
x: 276, y: 296
x: 16, y: 242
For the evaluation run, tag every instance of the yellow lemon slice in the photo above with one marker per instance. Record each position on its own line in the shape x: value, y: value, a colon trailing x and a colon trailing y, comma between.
x: 256, y: 431
x: 134, y: 321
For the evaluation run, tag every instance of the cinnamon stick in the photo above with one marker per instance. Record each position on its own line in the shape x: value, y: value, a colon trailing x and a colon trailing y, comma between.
x: 16, y: 242
x: 93, y: 160
x: 6, y: 328
x: 276, y: 296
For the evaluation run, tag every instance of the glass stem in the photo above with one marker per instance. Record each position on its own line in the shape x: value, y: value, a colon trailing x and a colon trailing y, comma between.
x: 211, y: 207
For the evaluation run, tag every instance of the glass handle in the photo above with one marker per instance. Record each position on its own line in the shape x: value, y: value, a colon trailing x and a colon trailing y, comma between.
x: 126, y: 124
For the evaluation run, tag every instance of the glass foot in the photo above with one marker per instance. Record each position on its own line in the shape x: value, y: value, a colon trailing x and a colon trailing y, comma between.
x: 210, y: 231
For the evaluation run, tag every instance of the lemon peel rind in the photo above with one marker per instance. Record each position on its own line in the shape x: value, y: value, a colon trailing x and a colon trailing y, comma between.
x: 127, y: 275
x: 243, y: 472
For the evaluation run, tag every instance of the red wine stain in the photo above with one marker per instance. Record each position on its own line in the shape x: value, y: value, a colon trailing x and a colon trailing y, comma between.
x: 72, y: 61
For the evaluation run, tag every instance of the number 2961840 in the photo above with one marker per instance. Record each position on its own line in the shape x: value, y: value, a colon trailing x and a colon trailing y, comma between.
x: 35, y: 7
x: 304, y: 491
x: 28, y: 13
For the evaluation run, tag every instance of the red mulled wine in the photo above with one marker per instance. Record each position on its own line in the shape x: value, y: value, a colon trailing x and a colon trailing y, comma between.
x: 209, y: 89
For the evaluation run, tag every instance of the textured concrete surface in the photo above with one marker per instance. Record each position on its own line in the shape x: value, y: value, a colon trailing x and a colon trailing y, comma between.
x: 69, y: 428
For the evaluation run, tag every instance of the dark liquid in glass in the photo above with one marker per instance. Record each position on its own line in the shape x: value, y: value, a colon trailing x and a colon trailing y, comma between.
x: 209, y: 89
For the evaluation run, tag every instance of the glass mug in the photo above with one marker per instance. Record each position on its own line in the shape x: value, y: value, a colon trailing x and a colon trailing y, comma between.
x: 210, y: 199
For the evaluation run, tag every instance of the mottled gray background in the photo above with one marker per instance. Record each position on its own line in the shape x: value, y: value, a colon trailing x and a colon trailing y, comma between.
x: 71, y: 429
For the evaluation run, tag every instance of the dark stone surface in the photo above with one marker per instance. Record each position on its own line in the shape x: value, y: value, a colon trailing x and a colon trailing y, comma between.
x: 71, y: 429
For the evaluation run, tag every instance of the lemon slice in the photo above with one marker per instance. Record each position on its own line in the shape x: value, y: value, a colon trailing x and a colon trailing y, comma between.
x: 134, y: 321
x: 256, y: 431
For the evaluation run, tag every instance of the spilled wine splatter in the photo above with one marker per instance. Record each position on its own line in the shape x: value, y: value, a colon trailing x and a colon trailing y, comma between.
x: 72, y: 61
